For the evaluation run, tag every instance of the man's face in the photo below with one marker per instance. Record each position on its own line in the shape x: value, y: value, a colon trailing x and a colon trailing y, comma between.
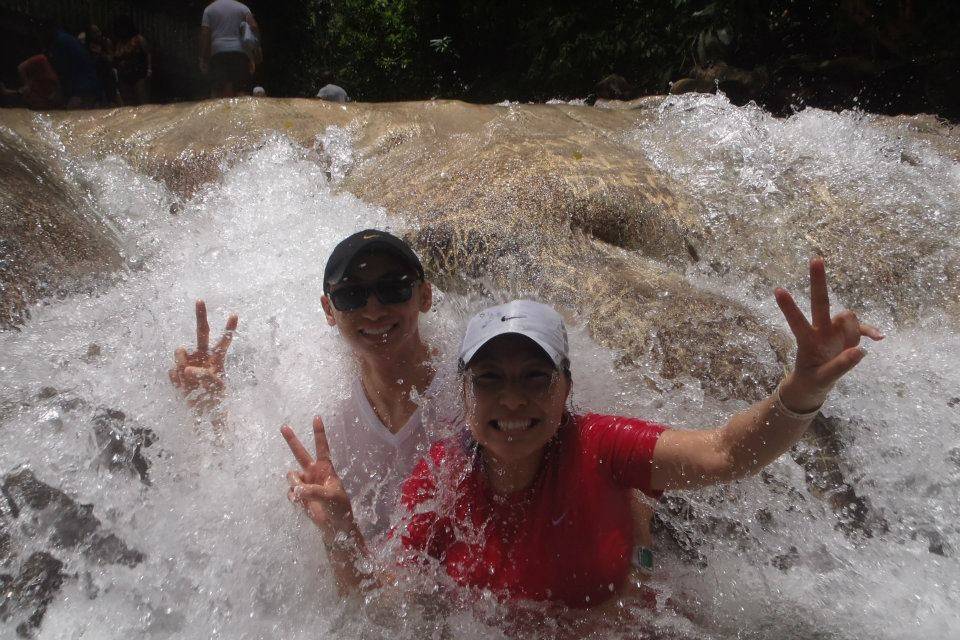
x: 377, y: 329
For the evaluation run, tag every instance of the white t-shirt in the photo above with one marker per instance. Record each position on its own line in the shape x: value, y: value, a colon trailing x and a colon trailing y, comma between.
x: 223, y: 17
x: 373, y: 462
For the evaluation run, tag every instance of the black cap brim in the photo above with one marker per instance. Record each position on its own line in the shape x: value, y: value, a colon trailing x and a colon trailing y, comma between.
x: 362, y: 242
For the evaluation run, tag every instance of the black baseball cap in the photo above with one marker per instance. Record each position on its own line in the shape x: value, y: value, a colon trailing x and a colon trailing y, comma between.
x: 363, y: 242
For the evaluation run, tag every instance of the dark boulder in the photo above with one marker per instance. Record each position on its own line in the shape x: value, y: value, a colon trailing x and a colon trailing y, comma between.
x: 27, y: 596
x: 121, y: 445
x: 614, y: 87
x: 70, y: 525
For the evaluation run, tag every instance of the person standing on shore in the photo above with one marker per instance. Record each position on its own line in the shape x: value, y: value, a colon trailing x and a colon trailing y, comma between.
x: 133, y: 62
x: 222, y: 54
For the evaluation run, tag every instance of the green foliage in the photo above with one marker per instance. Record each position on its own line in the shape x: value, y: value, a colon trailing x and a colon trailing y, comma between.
x: 538, y: 49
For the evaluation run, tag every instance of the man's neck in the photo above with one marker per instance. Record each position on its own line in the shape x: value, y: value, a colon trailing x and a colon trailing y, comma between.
x: 388, y: 383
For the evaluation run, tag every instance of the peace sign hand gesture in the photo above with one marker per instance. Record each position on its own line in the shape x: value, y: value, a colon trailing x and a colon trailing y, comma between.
x: 317, y: 487
x: 199, y: 374
x: 826, y: 349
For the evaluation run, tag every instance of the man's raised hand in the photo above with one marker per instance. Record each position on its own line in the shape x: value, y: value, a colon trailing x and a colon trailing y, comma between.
x: 827, y: 347
x: 316, y: 486
x: 199, y: 374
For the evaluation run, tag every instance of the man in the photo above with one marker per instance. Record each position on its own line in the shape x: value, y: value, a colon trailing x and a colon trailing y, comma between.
x: 79, y: 85
x: 374, y: 293
x: 222, y: 52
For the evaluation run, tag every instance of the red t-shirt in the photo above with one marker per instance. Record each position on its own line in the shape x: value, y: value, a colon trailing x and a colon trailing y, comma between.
x: 566, y: 538
x: 41, y: 82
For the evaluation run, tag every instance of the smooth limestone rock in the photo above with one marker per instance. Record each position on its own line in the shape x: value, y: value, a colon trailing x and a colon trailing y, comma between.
x: 51, y: 240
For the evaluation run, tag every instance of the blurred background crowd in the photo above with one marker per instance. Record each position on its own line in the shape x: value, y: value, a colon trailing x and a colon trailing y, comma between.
x: 887, y: 56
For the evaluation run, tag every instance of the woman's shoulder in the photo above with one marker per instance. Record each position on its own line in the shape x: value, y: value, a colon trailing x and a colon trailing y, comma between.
x: 604, y: 420
x: 596, y: 425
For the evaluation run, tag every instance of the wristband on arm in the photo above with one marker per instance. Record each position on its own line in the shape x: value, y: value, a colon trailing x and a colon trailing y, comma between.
x: 789, y: 413
x: 642, y: 559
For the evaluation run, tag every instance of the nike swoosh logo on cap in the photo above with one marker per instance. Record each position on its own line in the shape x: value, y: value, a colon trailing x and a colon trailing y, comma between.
x: 370, y: 235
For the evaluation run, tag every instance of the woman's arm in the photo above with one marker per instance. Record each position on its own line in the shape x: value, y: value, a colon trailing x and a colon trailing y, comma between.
x: 826, y: 350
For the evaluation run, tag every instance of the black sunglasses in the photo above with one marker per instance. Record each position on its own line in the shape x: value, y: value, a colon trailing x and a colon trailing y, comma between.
x: 354, y: 296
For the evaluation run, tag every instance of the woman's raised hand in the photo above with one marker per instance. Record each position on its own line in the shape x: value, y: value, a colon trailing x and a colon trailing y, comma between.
x: 827, y: 347
x: 317, y: 487
x: 199, y: 374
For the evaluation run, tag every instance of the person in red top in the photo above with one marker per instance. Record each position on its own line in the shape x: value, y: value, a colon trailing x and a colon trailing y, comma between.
x: 520, y: 542
x: 532, y: 501
x: 41, y: 85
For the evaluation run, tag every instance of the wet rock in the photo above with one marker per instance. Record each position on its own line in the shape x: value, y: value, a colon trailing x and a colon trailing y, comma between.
x: 70, y: 525
x: 27, y: 596
x: 23, y: 489
x: 739, y: 85
x: 71, y: 404
x: 764, y: 518
x: 7, y: 551
x: 109, y: 549
x: 121, y: 445
x: 680, y: 540
x: 692, y: 85
x: 953, y: 456
x: 936, y: 543
x: 46, y: 393
x: 821, y: 454
x: 788, y: 560
x: 679, y: 525
x: 614, y: 87
x: 51, y: 242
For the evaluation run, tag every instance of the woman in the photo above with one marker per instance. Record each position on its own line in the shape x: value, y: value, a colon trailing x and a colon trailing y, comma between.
x: 131, y: 57
x: 499, y: 505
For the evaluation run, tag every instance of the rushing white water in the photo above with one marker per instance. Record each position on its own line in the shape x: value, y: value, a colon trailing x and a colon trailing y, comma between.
x: 227, y: 557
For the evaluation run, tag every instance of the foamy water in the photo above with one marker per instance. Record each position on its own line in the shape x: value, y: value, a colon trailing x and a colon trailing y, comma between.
x: 227, y: 556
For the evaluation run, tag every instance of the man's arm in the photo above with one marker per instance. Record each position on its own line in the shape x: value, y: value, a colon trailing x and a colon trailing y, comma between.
x: 204, y: 48
x: 317, y: 488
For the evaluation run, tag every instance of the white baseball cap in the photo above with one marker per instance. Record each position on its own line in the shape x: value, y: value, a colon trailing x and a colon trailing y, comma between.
x: 536, y: 321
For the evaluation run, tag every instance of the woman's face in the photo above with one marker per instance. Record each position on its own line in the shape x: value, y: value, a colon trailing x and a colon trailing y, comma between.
x: 514, y: 398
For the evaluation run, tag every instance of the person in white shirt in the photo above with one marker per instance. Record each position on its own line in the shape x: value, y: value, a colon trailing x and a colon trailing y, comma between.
x: 222, y: 53
x: 374, y: 293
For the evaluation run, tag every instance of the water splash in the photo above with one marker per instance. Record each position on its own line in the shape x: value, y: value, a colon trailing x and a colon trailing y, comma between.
x: 225, y: 555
